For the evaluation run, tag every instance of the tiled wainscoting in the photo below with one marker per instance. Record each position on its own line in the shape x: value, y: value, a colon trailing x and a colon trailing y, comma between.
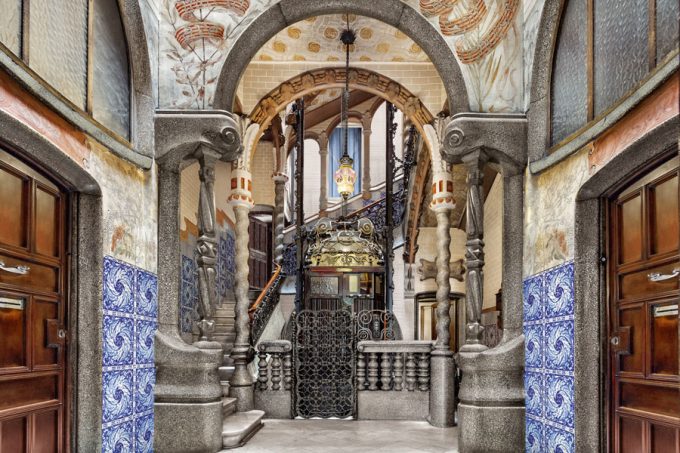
x: 224, y: 282
x: 549, y: 360
x: 128, y: 374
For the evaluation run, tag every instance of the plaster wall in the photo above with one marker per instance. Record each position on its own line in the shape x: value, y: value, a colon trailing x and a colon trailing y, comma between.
x: 261, y: 168
x: 493, y: 241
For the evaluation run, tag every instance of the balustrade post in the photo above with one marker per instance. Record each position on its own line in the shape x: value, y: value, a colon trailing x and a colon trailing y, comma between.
x: 398, y: 371
x: 263, y: 371
x: 276, y: 371
x: 361, y: 371
x: 410, y: 372
x: 373, y: 371
x: 423, y: 372
x: 287, y: 371
x: 385, y: 371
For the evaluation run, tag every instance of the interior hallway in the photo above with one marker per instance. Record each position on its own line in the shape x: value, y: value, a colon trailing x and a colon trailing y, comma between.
x: 330, y: 436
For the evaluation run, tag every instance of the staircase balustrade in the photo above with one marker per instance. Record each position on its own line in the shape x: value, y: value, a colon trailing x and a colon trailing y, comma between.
x: 273, y: 389
x: 264, y: 306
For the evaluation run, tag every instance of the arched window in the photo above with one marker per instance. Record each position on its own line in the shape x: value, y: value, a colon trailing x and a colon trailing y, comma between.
x: 87, y: 65
x: 605, y: 49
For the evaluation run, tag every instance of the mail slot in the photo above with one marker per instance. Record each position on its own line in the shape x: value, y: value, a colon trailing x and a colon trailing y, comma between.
x: 666, y: 310
x: 14, y: 304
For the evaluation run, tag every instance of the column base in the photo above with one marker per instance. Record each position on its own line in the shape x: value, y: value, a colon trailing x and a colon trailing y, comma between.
x: 490, y: 429
x: 442, y: 396
x: 244, y: 397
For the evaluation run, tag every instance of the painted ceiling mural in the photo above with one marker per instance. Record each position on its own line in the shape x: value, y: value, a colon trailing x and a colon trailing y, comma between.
x: 485, y: 36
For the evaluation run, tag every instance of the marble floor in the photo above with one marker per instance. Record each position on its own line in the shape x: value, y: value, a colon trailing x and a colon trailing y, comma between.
x: 346, y: 436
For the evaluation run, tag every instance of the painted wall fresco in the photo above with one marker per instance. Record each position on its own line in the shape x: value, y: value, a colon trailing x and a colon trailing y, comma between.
x: 532, y: 10
x: 129, y: 324
x: 485, y: 36
x: 549, y: 360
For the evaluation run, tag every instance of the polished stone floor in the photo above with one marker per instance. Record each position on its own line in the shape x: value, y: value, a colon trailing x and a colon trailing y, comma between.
x: 336, y: 436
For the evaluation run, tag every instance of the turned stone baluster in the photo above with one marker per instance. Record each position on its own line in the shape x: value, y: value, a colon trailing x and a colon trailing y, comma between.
x: 385, y: 371
x: 410, y: 372
x: 423, y: 372
x: 276, y: 371
x: 398, y: 371
x: 361, y: 371
x: 262, y: 365
x: 287, y: 371
x: 373, y: 371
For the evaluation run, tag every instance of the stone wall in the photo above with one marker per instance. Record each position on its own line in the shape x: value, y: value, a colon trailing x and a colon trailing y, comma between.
x: 493, y: 241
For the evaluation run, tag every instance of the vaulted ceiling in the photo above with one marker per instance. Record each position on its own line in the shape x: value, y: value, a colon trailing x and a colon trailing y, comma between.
x: 318, y: 39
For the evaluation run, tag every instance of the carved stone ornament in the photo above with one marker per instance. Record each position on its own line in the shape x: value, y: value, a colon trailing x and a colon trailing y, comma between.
x: 428, y: 269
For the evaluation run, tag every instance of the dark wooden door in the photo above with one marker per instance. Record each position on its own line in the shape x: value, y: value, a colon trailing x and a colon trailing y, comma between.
x: 260, y: 246
x: 33, y: 371
x: 644, y: 395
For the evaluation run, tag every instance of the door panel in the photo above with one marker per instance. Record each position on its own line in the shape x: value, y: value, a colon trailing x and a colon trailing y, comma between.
x: 644, y: 292
x: 33, y: 362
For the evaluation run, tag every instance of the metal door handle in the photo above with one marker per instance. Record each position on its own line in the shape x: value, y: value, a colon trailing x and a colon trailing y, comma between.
x: 614, y: 341
x: 21, y: 270
x: 656, y: 277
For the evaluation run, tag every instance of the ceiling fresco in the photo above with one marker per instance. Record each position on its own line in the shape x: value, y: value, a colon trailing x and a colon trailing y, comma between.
x: 318, y: 39
x: 485, y: 36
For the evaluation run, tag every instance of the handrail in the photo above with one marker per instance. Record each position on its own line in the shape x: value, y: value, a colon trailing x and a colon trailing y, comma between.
x: 262, y: 295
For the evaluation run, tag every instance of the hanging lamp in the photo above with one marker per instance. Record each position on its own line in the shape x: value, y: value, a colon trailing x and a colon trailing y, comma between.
x: 345, y: 176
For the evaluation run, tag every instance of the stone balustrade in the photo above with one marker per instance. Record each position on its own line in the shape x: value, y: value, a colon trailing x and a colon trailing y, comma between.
x: 393, y: 380
x: 274, y: 383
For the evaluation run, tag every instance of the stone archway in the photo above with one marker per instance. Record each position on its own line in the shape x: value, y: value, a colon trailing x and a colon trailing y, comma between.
x: 397, y: 14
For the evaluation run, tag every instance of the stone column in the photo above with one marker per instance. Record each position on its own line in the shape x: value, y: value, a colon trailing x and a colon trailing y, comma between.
x: 280, y: 180
x: 441, y: 361
x: 323, y: 191
x: 241, y: 383
x: 474, y: 251
x: 366, y: 157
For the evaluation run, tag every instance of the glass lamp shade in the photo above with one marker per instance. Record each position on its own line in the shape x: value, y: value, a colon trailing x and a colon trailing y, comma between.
x: 345, y: 177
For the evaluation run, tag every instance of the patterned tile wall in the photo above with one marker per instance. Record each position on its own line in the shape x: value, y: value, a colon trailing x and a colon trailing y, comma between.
x: 225, y: 267
x: 549, y: 360
x: 128, y: 374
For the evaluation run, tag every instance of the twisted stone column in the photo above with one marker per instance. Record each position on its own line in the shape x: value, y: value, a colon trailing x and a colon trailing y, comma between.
x: 443, y: 283
x: 241, y: 383
x: 280, y: 180
x: 323, y: 189
x: 474, y: 251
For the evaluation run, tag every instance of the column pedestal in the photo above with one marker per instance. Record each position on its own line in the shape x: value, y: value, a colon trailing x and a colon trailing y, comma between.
x: 442, y: 389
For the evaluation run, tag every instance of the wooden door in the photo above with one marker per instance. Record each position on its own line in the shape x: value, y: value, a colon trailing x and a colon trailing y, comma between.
x: 260, y: 246
x: 644, y: 394
x: 33, y: 371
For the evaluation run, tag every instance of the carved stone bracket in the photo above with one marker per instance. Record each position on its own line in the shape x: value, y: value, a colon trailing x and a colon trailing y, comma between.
x: 428, y: 269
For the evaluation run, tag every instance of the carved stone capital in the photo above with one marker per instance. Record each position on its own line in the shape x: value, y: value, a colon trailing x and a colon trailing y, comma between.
x: 178, y: 134
x: 503, y: 138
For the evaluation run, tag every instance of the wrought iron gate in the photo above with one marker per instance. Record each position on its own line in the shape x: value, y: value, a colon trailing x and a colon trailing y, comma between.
x: 324, y: 355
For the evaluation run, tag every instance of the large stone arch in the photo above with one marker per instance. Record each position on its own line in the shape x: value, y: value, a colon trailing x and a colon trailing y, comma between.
x: 85, y: 293
x: 318, y: 79
x: 287, y: 12
x: 590, y: 279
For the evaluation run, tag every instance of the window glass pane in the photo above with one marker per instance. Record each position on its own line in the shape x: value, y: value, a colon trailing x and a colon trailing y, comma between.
x: 569, y: 80
x: 58, y: 46
x: 111, y: 84
x: 667, y: 17
x: 621, y: 56
x: 10, y: 25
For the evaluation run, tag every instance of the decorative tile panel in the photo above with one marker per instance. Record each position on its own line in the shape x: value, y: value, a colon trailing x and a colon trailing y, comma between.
x: 549, y: 360
x: 188, y: 295
x: 129, y: 323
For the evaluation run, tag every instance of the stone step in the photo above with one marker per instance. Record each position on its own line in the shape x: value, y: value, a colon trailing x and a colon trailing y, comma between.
x: 239, y: 427
x: 228, y: 406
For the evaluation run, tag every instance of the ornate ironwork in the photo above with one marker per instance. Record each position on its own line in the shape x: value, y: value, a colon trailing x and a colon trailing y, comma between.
x: 324, y: 361
x: 377, y: 325
x: 264, y: 306
x: 344, y: 243
x: 299, y: 127
x: 289, y: 265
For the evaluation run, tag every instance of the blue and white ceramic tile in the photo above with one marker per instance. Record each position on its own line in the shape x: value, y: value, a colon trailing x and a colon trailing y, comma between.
x: 188, y: 268
x: 533, y: 346
x: 144, y: 341
x: 559, y: 289
x: 559, y: 399
x: 559, y: 345
x: 118, y: 439
x: 119, y: 286
x: 230, y: 258
x: 186, y: 294
x: 118, y: 340
x: 144, y: 434
x: 147, y: 295
x: 558, y: 440
x: 117, y: 399
x: 533, y: 295
x: 144, y: 383
x: 533, y: 387
x: 534, y: 436
x: 186, y: 318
